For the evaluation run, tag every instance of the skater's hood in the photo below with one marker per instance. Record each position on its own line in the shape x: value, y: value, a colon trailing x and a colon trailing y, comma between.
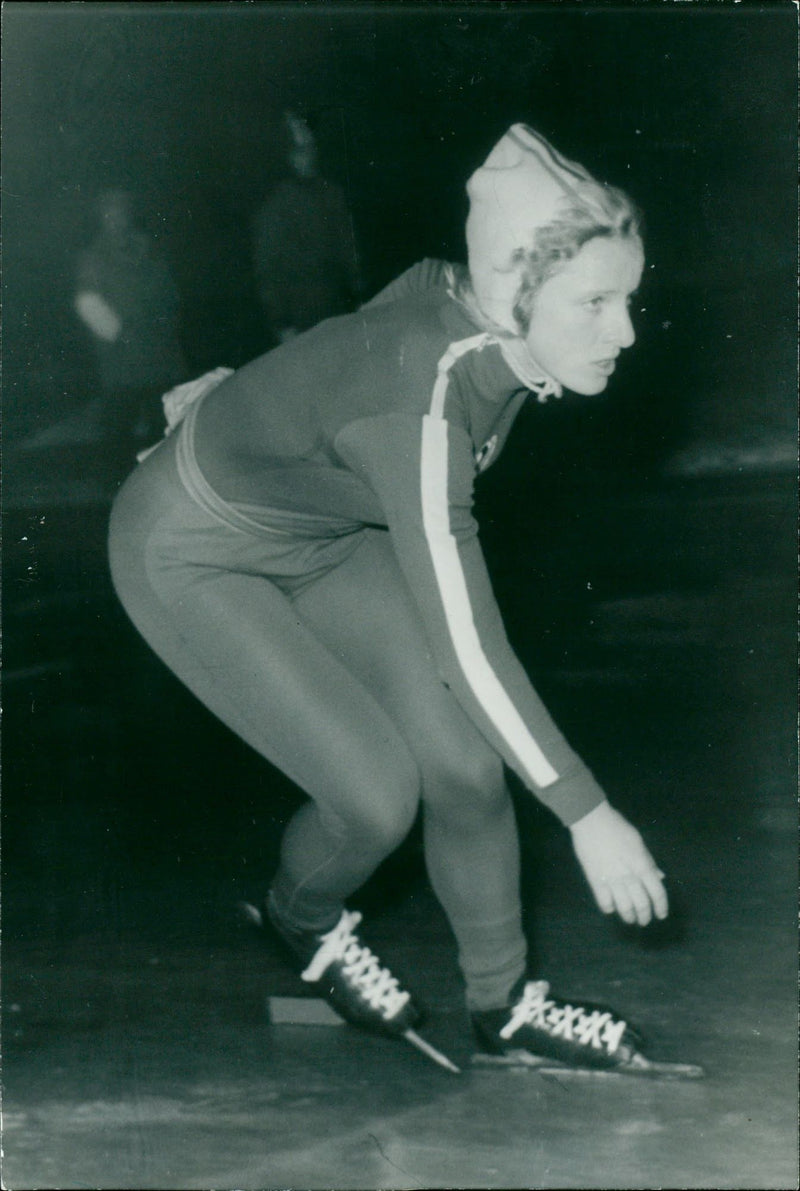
x: 523, y: 185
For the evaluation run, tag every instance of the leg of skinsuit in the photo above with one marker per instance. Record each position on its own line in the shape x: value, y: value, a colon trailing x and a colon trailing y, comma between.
x: 238, y: 644
x: 366, y: 615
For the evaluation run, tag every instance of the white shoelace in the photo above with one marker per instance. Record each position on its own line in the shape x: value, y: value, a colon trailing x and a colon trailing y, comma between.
x: 377, y: 985
x: 596, y: 1029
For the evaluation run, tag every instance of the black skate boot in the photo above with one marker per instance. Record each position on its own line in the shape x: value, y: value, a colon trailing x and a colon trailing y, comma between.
x: 538, y: 1026
x: 349, y: 977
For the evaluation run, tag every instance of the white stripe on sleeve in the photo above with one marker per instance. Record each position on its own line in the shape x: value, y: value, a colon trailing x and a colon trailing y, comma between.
x: 454, y: 351
x: 451, y: 581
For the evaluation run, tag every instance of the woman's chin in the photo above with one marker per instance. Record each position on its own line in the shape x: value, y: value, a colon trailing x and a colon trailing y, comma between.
x: 586, y: 387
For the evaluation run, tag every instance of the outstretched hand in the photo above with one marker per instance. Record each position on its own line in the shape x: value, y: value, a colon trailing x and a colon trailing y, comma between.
x: 621, y: 873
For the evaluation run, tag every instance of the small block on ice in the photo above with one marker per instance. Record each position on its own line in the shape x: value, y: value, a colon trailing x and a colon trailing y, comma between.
x: 301, y: 1011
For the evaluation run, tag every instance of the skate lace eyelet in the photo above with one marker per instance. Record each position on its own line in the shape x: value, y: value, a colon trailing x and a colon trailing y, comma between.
x: 378, y: 987
x: 596, y: 1029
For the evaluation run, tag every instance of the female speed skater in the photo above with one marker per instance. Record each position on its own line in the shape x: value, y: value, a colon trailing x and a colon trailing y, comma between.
x: 301, y: 552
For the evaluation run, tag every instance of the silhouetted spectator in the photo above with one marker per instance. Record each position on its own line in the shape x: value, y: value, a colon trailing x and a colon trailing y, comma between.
x: 126, y: 296
x: 305, y: 256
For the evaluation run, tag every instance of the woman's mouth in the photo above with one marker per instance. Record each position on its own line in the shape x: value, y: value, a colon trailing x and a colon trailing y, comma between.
x: 606, y: 366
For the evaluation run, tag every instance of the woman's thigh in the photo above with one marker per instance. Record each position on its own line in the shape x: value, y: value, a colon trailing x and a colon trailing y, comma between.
x: 240, y: 645
x: 365, y: 614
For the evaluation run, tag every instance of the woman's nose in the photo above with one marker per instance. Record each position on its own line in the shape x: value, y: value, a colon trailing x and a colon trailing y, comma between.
x: 620, y: 328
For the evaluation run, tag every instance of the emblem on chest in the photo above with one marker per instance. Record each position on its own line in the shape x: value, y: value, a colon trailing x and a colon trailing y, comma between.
x: 484, y: 456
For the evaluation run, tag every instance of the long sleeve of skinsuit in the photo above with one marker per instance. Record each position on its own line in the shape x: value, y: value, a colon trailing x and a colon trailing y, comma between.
x: 386, y: 417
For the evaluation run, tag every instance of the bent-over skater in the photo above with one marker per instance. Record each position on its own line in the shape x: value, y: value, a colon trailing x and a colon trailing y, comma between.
x: 302, y: 553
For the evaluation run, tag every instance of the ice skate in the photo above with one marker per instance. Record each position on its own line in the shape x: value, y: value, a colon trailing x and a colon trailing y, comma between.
x: 346, y: 973
x: 541, y: 1031
x: 350, y: 978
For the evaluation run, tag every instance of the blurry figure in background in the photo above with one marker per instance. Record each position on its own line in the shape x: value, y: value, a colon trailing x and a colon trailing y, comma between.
x: 305, y: 257
x: 127, y: 298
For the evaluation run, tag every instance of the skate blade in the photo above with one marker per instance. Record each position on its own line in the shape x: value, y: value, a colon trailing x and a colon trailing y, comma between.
x: 413, y: 1037
x: 638, y: 1066
x: 309, y: 1011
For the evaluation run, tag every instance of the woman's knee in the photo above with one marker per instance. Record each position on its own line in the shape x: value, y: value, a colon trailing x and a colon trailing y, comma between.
x: 381, y: 824
x: 378, y: 815
x: 466, y: 784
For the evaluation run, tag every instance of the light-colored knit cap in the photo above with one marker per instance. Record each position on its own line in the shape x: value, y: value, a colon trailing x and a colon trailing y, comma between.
x: 523, y: 184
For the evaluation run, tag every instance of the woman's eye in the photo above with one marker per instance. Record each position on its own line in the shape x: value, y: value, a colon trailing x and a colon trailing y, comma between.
x: 595, y: 303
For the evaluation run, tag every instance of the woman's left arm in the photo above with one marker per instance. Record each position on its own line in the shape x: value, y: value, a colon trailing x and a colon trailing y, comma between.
x: 422, y: 469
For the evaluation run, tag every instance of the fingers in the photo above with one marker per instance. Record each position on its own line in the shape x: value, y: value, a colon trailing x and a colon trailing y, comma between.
x: 621, y: 872
x: 603, y: 897
x: 645, y: 887
x: 642, y: 905
x: 652, y: 883
x: 629, y: 903
x: 635, y: 899
x: 652, y: 879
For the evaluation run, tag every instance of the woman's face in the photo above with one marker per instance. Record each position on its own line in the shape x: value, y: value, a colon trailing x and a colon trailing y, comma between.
x: 580, y: 321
